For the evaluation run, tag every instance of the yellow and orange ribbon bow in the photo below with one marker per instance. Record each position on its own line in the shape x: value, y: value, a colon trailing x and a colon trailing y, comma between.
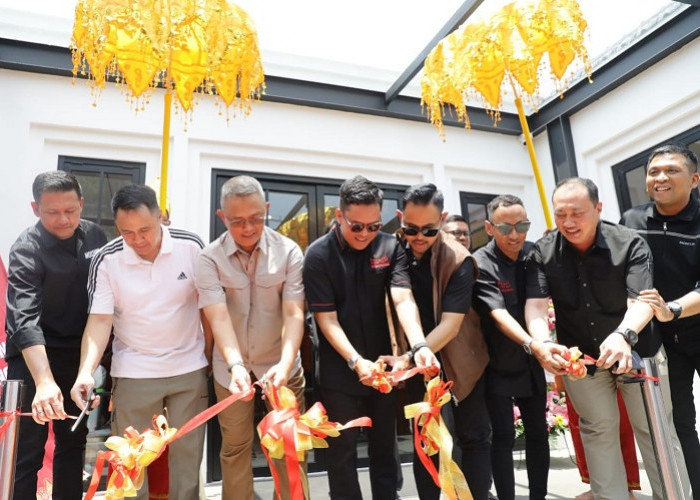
x: 430, y: 435
x: 128, y: 456
x: 384, y: 381
x: 286, y: 433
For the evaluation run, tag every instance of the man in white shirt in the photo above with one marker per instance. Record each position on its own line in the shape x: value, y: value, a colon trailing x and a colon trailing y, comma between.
x: 142, y: 284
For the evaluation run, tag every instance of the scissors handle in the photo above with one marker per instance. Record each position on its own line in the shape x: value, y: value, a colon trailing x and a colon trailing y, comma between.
x: 88, y: 403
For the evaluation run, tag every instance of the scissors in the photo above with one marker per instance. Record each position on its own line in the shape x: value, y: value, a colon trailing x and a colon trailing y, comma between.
x: 88, y: 403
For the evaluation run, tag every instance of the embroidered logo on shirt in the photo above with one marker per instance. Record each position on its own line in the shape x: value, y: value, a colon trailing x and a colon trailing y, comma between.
x: 504, y: 286
x: 89, y: 254
x: 378, y: 263
x: 182, y: 276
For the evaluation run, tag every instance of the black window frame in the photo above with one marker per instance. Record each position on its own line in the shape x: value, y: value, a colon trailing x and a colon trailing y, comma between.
x: 467, y: 198
x: 621, y: 169
x: 137, y: 171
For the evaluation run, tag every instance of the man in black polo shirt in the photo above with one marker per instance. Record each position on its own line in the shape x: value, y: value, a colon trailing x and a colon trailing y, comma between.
x: 347, y: 275
x: 46, y: 314
x: 442, y: 277
x: 671, y: 227
x: 512, y: 372
x: 592, y: 270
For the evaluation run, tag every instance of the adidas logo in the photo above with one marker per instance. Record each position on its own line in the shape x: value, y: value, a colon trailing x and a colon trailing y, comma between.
x: 182, y: 276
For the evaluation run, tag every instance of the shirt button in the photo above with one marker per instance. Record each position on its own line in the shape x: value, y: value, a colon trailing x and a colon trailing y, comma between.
x: 588, y: 305
x: 592, y: 323
x: 585, y: 285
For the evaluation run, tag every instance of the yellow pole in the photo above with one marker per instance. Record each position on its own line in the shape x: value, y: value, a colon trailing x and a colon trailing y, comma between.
x: 533, y: 160
x: 163, y: 198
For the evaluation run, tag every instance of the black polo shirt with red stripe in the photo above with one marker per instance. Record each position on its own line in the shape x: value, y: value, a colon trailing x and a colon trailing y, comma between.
x: 354, y: 284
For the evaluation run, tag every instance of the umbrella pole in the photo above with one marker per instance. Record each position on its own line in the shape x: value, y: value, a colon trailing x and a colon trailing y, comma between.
x: 163, y: 198
x: 533, y: 160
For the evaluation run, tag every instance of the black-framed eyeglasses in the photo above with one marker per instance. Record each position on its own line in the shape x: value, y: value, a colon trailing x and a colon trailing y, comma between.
x: 505, y: 229
x: 425, y: 231
x: 358, y: 227
x: 458, y: 233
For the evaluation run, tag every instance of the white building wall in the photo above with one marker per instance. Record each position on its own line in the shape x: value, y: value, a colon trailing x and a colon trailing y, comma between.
x: 657, y: 104
x: 45, y: 116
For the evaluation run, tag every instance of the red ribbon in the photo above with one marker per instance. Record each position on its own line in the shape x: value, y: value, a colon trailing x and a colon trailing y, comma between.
x: 298, y: 434
x: 121, y: 472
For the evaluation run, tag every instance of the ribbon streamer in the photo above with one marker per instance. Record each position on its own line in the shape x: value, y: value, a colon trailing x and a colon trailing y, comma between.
x: 129, y: 456
x: 430, y: 436
x: 384, y: 381
x: 285, y: 433
x: 576, y: 368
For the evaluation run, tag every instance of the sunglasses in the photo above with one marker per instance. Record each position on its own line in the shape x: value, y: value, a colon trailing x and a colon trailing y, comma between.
x: 358, y: 227
x: 505, y: 228
x: 425, y: 231
x: 458, y: 233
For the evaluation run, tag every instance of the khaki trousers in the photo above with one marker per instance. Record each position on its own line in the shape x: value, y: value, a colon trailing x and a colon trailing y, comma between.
x: 237, y: 428
x: 595, y: 400
x: 184, y: 396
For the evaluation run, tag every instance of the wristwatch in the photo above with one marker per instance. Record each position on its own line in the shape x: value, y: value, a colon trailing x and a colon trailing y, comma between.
x: 630, y: 336
x: 527, y: 348
x: 353, y: 361
x: 413, y: 350
x: 675, y: 308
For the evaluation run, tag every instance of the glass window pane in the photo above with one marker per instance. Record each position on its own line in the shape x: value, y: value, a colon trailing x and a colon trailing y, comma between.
x: 636, y: 186
x: 289, y: 215
x: 476, y: 216
x: 389, y: 218
x: 98, y: 196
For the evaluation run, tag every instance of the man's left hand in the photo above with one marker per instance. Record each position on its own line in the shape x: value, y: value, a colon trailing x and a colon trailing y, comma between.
x: 278, y: 375
x: 615, y: 349
x: 424, y: 358
x: 657, y: 303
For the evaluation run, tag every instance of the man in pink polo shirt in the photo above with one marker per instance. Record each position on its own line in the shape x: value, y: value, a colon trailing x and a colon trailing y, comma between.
x: 142, y: 284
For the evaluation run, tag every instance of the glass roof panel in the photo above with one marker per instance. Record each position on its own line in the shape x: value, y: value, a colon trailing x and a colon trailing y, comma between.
x: 365, y: 43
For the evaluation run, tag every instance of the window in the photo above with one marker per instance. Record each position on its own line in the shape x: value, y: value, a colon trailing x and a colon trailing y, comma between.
x: 100, y: 179
x: 474, y: 210
x: 630, y: 174
x: 301, y: 207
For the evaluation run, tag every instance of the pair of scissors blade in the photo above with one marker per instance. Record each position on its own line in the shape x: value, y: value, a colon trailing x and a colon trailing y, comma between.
x: 90, y: 397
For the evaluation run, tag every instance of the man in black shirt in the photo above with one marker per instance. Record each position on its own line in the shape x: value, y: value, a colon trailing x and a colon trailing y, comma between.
x: 442, y: 277
x: 593, y: 270
x: 347, y: 276
x: 512, y: 372
x: 671, y: 227
x: 46, y: 314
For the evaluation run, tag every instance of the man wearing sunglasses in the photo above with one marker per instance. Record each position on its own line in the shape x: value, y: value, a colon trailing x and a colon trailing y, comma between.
x: 512, y: 374
x: 347, y: 275
x: 442, y: 277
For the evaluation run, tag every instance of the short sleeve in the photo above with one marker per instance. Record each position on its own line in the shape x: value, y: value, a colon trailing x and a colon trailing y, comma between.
x: 487, y: 295
x: 100, y: 293
x: 206, y: 276
x: 400, y: 277
x: 458, y: 293
x: 536, y: 286
x: 294, y: 280
x: 320, y: 296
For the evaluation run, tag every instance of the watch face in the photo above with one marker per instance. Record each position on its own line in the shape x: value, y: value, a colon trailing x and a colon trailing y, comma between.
x: 631, y: 336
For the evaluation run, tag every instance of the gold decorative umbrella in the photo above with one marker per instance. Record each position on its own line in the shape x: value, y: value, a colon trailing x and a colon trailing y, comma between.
x: 484, y: 59
x: 182, y: 45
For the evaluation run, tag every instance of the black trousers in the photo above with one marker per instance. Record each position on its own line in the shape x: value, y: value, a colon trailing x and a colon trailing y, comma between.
x: 69, y: 454
x: 682, y: 366
x: 472, y: 434
x: 532, y: 411
x: 381, y: 437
